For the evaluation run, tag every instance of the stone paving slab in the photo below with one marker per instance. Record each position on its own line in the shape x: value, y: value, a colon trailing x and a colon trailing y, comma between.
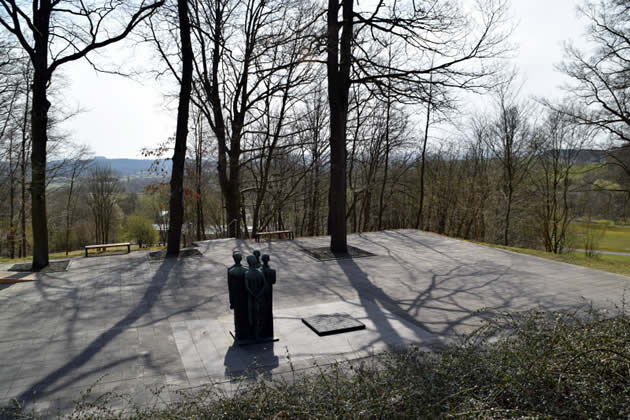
x: 17, y: 277
x: 119, y: 322
x: 209, y: 353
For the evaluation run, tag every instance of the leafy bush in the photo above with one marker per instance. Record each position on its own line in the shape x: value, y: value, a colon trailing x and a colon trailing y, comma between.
x: 592, y: 237
x: 534, y: 365
x: 140, y: 230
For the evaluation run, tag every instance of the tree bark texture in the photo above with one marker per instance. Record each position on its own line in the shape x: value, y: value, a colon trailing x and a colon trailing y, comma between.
x: 39, y: 135
x: 176, y: 207
x: 338, y: 72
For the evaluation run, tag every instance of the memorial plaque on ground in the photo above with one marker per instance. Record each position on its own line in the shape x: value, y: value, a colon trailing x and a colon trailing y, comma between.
x: 328, y: 324
x: 325, y: 254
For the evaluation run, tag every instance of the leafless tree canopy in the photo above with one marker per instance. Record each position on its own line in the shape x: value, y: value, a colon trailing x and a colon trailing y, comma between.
x: 317, y: 117
x: 601, y: 79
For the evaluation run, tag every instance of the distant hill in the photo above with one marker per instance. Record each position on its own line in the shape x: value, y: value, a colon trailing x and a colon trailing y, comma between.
x: 584, y: 156
x: 125, y: 167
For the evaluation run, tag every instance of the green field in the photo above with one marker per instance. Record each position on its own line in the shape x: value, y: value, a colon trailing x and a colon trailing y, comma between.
x: 614, y: 237
x: 619, y: 264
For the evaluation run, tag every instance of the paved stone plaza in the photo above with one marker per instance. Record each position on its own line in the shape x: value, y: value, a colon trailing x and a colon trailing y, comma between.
x: 127, y: 324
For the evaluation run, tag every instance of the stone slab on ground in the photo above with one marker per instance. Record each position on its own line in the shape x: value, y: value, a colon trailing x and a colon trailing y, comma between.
x: 329, y: 324
x: 325, y: 254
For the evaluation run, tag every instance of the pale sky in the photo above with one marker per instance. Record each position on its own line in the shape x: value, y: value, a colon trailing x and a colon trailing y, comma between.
x: 121, y: 116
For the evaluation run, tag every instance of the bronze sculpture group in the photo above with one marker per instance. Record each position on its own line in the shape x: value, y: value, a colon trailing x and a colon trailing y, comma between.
x: 251, y: 296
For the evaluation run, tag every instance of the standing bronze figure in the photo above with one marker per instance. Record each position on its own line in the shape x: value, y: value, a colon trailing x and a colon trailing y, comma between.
x: 238, y: 298
x: 251, y: 298
x: 270, y: 280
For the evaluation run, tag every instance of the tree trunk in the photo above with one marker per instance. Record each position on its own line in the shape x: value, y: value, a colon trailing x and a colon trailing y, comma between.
x: 176, y: 208
x: 232, y: 195
x: 11, y: 235
x: 381, y: 206
x: 420, y: 217
x: 508, y: 211
x: 338, y: 70
x: 23, y: 175
x: 39, y: 136
x: 313, y: 225
x: 68, y: 210
x: 201, y: 226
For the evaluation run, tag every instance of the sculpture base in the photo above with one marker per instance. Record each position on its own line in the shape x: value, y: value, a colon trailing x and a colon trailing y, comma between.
x: 253, y: 341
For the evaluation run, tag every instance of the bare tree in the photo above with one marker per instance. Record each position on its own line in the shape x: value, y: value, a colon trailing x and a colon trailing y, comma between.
x: 176, y: 204
x: 601, y: 80
x: 562, y: 144
x: 312, y: 136
x: 239, y: 47
x: 9, y: 133
x: 435, y: 38
x: 509, y: 137
x: 197, y: 174
x: 53, y: 33
x: 103, y: 190
x: 78, y: 164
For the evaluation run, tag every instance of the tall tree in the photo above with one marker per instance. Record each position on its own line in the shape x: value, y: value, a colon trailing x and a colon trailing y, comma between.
x: 103, y: 188
x: 176, y: 207
x: 338, y: 63
x: 198, y: 175
x: 434, y: 38
x: 562, y: 143
x: 78, y: 164
x: 238, y: 46
x: 601, y: 78
x: 511, y: 140
x: 54, y: 33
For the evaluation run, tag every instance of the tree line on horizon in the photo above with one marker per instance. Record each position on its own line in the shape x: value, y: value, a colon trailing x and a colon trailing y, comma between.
x: 321, y: 118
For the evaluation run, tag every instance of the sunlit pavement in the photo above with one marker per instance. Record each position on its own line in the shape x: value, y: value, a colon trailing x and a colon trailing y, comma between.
x: 125, y: 324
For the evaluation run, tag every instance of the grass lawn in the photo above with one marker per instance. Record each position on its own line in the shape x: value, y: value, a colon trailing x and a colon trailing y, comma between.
x: 618, y: 264
x: 615, y: 237
x: 80, y: 253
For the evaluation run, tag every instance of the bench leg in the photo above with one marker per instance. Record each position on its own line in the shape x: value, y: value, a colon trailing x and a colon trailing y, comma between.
x: 128, y: 249
x: 86, y: 252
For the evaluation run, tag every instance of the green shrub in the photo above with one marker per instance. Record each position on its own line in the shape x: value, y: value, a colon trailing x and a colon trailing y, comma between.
x: 139, y: 229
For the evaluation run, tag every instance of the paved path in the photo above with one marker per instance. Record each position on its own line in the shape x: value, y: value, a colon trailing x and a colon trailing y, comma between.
x: 131, y: 324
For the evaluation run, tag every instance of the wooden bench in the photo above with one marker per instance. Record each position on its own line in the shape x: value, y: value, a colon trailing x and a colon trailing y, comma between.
x: 270, y: 234
x: 104, y: 246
